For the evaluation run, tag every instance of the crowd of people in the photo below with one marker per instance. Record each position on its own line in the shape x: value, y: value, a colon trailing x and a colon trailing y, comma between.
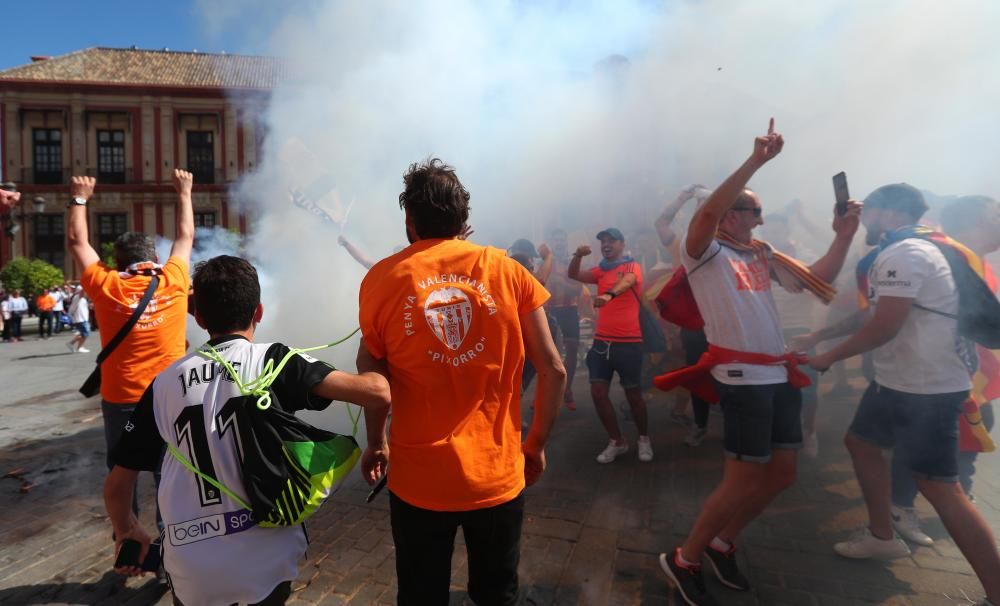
x: 454, y: 333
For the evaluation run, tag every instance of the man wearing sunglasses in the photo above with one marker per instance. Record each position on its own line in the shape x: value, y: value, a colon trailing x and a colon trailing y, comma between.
x: 730, y: 275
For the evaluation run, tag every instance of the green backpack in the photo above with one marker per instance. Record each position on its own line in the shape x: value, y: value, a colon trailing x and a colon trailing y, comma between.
x: 289, y: 467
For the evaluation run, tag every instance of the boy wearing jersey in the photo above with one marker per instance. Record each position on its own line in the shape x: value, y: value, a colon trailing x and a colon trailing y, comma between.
x: 213, y: 551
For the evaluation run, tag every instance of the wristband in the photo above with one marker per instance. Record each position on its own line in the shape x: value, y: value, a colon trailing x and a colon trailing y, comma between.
x: 610, y: 294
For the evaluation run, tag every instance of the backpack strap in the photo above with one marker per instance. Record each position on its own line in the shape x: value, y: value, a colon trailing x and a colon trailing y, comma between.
x: 154, y: 282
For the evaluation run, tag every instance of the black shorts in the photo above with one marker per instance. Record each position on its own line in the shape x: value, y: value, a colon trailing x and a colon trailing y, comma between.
x: 759, y: 418
x: 605, y: 359
x: 921, y: 429
x: 568, y: 319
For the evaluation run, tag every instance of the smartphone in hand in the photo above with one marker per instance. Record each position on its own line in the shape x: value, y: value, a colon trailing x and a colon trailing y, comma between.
x: 128, y: 555
x: 841, y: 193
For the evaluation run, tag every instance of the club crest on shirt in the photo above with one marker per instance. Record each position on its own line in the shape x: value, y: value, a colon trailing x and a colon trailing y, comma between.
x: 449, y: 314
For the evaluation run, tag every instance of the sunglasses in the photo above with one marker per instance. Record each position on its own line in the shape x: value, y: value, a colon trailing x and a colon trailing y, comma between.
x: 757, y: 212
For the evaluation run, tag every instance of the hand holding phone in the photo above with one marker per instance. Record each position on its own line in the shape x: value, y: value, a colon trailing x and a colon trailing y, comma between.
x: 841, y: 193
x: 128, y: 556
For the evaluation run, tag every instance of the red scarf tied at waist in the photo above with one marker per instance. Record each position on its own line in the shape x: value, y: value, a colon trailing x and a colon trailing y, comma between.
x: 698, y: 378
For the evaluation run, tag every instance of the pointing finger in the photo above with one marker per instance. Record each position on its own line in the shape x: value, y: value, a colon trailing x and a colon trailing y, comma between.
x: 770, y: 127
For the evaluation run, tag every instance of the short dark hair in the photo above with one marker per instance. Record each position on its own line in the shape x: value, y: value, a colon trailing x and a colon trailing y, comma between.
x: 134, y: 247
x: 898, y: 196
x: 965, y: 213
x: 226, y: 293
x: 437, y: 202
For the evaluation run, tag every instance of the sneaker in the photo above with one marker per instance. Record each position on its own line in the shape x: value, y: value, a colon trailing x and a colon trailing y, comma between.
x: 645, y: 448
x: 82, y: 350
x: 611, y: 453
x: 71, y: 347
x: 907, y: 524
x: 688, y: 581
x: 810, y: 445
x: 724, y: 565
x: 863, y: 546
x: 696, y: 437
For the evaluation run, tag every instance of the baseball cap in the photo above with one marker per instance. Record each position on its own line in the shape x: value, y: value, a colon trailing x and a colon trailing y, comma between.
x: 523, y: 247
x: 611, y: 232
x: 898, y: 196
x: 8, y: 186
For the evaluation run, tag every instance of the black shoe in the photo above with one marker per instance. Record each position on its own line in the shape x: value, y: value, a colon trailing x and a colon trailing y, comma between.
x: 688, y: 581
x: 724, y: 565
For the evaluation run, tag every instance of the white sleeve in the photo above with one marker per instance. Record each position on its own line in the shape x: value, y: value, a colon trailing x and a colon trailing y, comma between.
x: 900, y: 271
x: 690, y: 262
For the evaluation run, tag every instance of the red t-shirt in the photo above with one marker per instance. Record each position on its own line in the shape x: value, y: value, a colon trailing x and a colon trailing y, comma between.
x: 618, y: 320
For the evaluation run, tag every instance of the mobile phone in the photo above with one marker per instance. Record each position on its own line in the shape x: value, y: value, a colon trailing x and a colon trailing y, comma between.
x: 128, y: 555
x: 841, y: 193
x: 377, y: 489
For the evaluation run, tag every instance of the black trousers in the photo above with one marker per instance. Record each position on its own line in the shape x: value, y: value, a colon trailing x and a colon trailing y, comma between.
x: 425, y: 541
x: 45, y: 323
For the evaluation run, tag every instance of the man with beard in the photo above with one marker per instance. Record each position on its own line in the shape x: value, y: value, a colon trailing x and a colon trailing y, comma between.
x: 921, y: 381
x: 617, y: 344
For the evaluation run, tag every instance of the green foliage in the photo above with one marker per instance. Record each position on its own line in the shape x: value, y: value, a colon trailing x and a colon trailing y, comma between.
x: 108, y: 253
x: 31, y: 277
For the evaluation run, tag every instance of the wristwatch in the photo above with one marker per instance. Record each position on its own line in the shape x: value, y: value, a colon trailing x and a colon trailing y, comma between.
x: 610, y: 294
x: 78, y: 201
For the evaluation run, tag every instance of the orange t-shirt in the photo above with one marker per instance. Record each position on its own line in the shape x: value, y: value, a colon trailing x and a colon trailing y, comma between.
x: 156, y: 340
x: 45, y: 302
x: 618, y: 320
x: 444, y: 314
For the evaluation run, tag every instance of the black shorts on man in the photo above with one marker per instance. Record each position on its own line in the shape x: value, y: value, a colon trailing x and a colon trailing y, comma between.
x: 605, y: 358
x: 921, y: 429
x: 760, y: 418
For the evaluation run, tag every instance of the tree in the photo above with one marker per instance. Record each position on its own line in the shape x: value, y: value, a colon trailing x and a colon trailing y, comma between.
x: 30, y: 276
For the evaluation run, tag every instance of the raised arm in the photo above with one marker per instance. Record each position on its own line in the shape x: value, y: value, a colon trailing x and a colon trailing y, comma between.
x: 355, y: 252
x: 545, y: 270
x: 9, y: 198
x: 184, y: 242
x: 78, y: 237
x: 666, y: 218
x: 574, y: 266
x: 705, y: 222
x: 844, y: 227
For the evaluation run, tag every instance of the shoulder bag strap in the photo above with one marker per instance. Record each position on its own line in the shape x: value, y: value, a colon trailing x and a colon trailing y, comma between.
x: 154, y: 282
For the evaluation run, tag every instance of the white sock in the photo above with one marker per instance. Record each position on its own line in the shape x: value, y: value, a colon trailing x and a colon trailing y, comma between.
x: 720, y: 545
x: 683, y: 562
x: 643, y: 438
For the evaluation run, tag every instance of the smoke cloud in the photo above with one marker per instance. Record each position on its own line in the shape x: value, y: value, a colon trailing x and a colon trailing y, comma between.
x: 588, y: 114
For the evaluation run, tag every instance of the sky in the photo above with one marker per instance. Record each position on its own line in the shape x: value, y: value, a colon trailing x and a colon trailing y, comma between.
x: 56, y: 27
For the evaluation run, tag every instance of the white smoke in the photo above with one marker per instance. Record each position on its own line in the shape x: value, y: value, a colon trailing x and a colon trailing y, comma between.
x: 589, y: 114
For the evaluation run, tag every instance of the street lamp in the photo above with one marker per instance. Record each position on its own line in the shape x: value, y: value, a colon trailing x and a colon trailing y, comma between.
x: 39, y: 203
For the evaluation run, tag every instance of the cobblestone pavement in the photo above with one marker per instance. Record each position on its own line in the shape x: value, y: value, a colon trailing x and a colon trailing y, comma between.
x: 591, y: 536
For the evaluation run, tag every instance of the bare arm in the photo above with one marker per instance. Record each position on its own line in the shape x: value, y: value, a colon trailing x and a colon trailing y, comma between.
x: 355, y: 252
x: 542, y: 352
x: 705, y: 222
x: 118, y: 487
x: 375, y: 460
x: 77, y: 235
x: 543, y: 273
x: 184, y: 242
x: 829, y: 265
x: 890, y: 313
x: 666, y: 218
x: 574, y: 266
x: 621, y: 287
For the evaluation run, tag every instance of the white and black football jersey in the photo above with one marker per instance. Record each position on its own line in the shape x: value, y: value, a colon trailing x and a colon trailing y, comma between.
x: 212, y: 548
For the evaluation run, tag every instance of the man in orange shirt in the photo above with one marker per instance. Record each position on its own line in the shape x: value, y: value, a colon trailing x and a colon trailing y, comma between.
x: 449, y: 323
x: 44, y: 304
x: 617, y: 344
x: 157, y: 339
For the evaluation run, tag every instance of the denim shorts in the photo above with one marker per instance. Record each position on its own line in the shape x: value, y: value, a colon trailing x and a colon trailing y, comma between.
x: 759, y: 418
x: 83, y: 328
x: 921, y: 429
x: 605, y: 359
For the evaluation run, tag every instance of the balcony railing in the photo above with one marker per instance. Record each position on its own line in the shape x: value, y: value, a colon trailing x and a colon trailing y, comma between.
x: 111, y: 178
x: 45, y: 177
